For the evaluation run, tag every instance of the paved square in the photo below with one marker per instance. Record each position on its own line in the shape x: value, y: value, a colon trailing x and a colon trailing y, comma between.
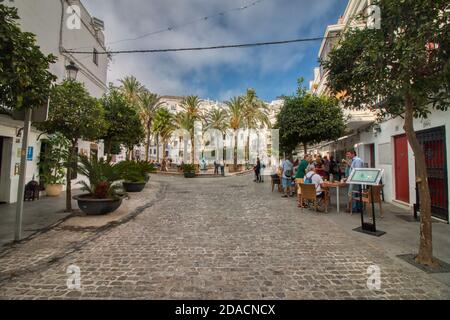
x: 225, y: 238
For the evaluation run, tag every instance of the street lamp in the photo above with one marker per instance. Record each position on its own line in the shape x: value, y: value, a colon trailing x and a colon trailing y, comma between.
x: 72, y: 71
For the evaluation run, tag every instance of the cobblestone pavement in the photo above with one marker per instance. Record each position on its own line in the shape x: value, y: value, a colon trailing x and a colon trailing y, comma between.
x: 225, y: 238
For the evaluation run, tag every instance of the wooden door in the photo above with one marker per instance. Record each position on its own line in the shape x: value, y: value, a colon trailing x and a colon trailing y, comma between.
x: 401, y: 168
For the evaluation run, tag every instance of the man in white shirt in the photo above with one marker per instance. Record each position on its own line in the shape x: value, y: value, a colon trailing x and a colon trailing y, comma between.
x: 315, y: 179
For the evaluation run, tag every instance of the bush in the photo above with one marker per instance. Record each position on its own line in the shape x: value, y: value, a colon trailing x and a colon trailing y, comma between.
x: 135, y: 171
x: 103, y: 178
x: 189, y: 167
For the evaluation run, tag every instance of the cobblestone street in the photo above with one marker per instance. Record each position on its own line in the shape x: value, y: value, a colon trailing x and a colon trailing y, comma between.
x: 225, y: 238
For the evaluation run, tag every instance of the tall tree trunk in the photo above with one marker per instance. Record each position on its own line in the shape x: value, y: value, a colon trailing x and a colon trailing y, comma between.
x: 163, y: 163
x: 157, y: 148
x: 224, y: 155
x: 185, y: 148
x: 235, y: 153
x: 247, y: 156
x: 70, y: 160
x: 147, y: 146
x: 305, y: 148
x: 192, y: 148
x: 425, y: 256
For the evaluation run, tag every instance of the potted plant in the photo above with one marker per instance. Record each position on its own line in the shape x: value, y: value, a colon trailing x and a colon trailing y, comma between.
x: 189, y: 170
x: 105, y: 192
x: 135, y: 174
x: 52, y: 165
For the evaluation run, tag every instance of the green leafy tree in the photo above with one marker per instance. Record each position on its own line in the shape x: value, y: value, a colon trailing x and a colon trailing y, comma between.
x: 24, y: 77
x: 76, y: 115
x: 53, y: 162
x: 236, y: 120
x: 305, y: 119
x: 401, y: 69
x: 123, y: 123
x: 164, y: 125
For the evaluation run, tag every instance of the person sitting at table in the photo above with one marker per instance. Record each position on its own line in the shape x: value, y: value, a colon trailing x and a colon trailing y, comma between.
x: 312, y: 177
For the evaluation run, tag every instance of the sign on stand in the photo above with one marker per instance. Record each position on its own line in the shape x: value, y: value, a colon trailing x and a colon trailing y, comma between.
x: 366, y: 177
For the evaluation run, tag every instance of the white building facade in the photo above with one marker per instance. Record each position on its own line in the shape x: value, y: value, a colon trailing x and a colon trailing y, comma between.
x: 384, y: 145
x: 210, y: 145
x: 59, y: 25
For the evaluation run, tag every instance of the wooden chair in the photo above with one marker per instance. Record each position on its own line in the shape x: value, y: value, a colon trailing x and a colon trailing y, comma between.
x: 275, y: 180
x: 299, y: 181
x: 367, y: 197
x: 309, y: 193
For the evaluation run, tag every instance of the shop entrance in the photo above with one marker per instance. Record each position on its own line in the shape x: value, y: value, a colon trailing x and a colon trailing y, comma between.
x: 401, y: 168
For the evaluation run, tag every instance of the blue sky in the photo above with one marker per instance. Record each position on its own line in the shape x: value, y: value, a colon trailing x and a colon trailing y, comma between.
x: 217, y: 74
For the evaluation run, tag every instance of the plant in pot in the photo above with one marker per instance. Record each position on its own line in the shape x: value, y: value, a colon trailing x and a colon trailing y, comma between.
x: 104, y: 190
x: 189, y: 170
x: 135, y: 174
x: 52, y: 164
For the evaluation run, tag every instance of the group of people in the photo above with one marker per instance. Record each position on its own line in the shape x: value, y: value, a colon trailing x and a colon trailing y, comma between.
x: 317, y: 169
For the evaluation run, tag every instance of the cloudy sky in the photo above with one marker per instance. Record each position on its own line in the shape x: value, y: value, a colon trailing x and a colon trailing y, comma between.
x: 216, y: 74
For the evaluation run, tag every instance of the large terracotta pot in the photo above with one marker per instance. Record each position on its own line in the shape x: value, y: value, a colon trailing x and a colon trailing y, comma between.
x: 53, y: 190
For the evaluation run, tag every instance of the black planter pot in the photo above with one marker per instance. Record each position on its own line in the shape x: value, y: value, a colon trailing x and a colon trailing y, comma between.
x: 134, y: 186
x: 95, y: 207
x: 189, y: 174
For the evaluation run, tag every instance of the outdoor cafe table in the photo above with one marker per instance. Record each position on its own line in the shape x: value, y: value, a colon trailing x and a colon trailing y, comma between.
x: 337, y: 185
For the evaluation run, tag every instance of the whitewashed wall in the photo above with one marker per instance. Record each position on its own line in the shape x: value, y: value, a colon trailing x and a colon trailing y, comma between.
x: 43, y: 18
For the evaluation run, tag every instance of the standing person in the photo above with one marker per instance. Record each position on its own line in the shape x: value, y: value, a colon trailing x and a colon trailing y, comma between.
x: 303, y: 165
x: 287, y: 170
x: 216, y: 168
x: 301, y: 172
x: 356, y: 162
x: 326, y: 167
x: 258, y: 170
x: 261, y: 174
x: 333, y: 169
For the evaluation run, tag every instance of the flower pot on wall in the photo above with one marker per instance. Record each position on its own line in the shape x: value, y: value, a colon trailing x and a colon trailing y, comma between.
x: 53, y: 190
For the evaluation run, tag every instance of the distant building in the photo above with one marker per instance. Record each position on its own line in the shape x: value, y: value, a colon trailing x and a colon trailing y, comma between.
x: 211, y: 148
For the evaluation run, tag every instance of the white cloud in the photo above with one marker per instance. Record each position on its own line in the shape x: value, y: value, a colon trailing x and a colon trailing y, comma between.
x: 166, y: 73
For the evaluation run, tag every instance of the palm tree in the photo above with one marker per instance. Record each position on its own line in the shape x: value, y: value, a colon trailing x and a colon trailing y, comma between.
x: 217, y: 119
x: 236, y: 117
x: 183, y: 122
x: 149, y: 104
x: 256, y: 115
x: 191, y: 106
x: 132, y: 88
x: 164, y: 126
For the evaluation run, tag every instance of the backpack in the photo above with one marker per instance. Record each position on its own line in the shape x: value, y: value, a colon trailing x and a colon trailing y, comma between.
x: 309, y: 180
